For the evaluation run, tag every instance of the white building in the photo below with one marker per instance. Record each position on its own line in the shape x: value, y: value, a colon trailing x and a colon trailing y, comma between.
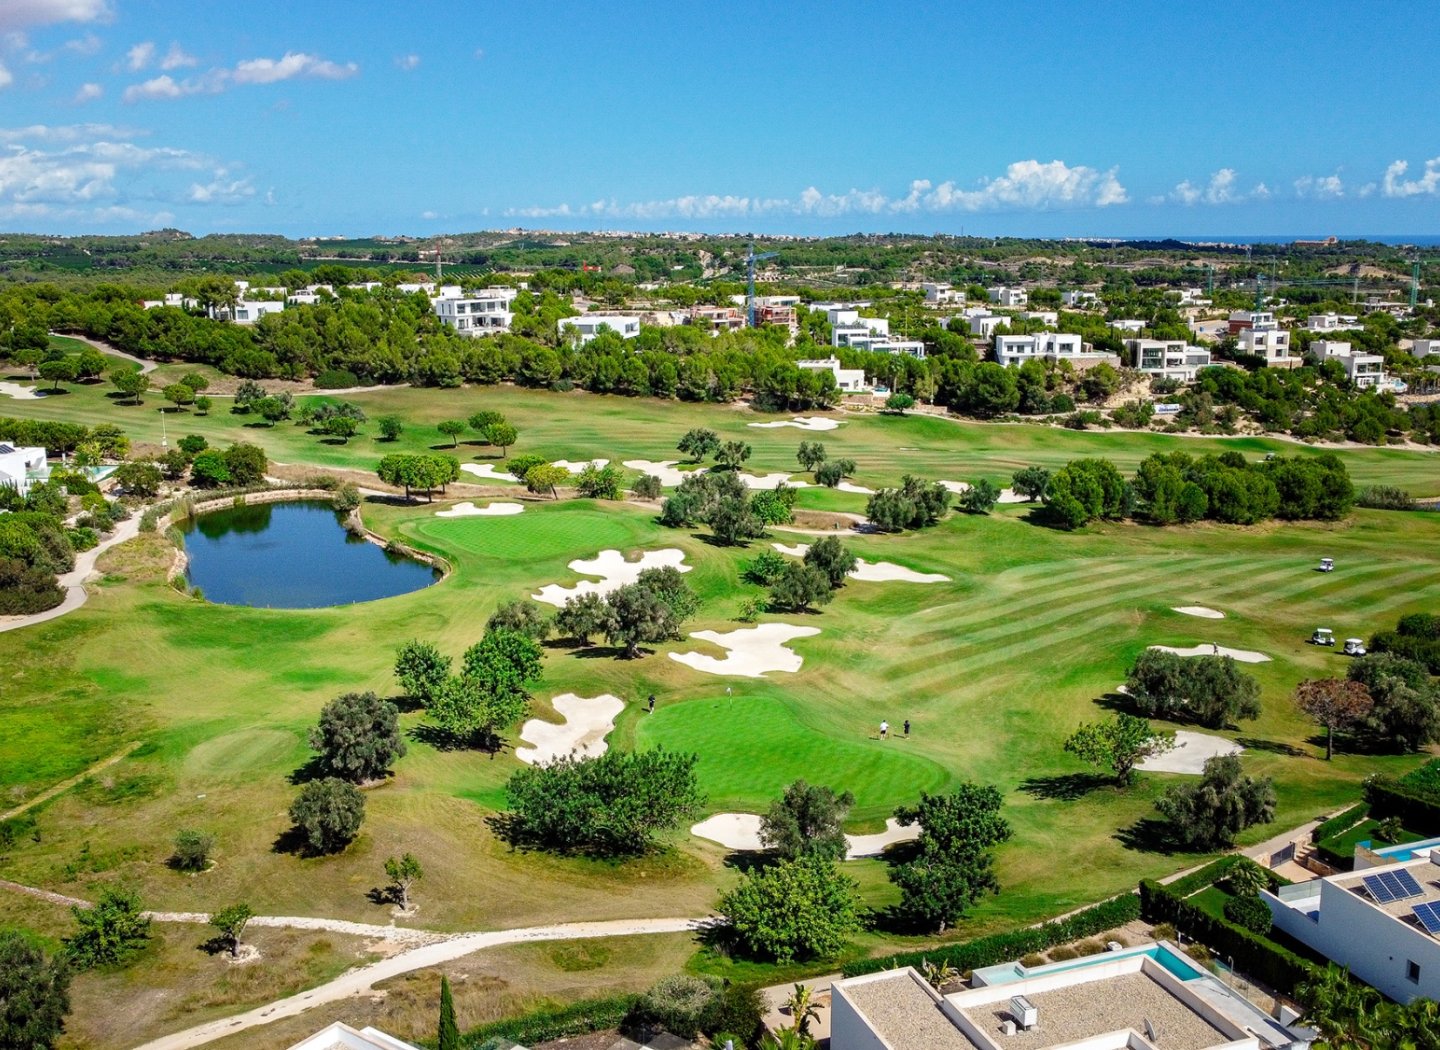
x: 1332, y: 322
x: 626, y: 326
x: 1053, y: 346
x: 1127, y: 325
x: 1168, y: 358
x: 483, y: 313
x: 1260, y: 334
x: 1045, y: 317
x: 849, y: 320
x: 1193, y: 297
x: 1376, y: 921
x: 1150, y: 997
x: 246, y: 312
x: 982, y: 326
x: 938, y: 293
x: 1004, y: 296
x: 1425, y: 347
x: 1079, y: 298
x: 850, y: 380
x: 340, y: 1036
x: 21, y: 467
x: 411, y: 287
x: 1363, y: 369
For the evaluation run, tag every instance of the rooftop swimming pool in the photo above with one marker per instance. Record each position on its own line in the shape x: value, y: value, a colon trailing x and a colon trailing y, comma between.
x: 1177, y: 964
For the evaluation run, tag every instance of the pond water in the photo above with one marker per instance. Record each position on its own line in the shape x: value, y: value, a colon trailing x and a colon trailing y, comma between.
x: 292, y: 556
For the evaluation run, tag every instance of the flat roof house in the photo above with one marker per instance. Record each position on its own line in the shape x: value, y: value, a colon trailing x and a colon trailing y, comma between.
x: 1053, y: 346
x: 22, y: 467
x: 246, y: 312
x: 938, y: 292
x: 1001, y: 295
x: 481, y: 313
x: 626, y: 326
x: 1363, y: 369
x: 1168, y: 358
x: 1079, y: 297
x: 850, y: 380
x: 983, y: 326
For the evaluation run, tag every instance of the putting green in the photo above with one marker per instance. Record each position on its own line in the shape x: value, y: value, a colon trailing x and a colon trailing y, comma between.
x: 240, y: 752
x: 542, y: 533
x: 752, y: 747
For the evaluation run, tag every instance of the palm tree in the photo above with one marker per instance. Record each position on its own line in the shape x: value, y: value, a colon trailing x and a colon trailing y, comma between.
x: 1247, y: 879
x: 787, y: 1039
x: 803, y: 1009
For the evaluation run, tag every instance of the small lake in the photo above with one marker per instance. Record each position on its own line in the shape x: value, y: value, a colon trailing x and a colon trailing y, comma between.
x: 292, y: 556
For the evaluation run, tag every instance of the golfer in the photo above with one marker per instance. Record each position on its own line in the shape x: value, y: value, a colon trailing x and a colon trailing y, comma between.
x: 884, y: 729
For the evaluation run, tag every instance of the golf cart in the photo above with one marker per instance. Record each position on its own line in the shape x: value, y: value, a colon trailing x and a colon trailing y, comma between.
x: 1354, y: 647
x: 1322, y: 636
x: 1327, y: 564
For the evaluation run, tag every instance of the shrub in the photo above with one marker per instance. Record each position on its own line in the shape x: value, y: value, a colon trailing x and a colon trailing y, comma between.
x: 675, y: 1004
x: 766, y: 568
x: 1340, y: 822
x: 798, y: 909
x: 1384, y: 497
x: 554, y: 1023
x: 647, y: 486
x: 1250, y: 913
x: 329, y: 813
x: 110, y: 933
x: 336, y: 379
x: 192, y: 850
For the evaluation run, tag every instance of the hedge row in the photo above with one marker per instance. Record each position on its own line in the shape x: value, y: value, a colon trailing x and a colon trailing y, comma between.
x: 1340, y: 822
x: 1258, y: 956
x: 1389, y: 798
x: 1006, y: 947
x: 561, y: 1022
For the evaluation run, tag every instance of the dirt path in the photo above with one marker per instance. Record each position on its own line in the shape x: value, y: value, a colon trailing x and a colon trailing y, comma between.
x: 362, y: 980
x: 66, y: 785
x: 73, y: 582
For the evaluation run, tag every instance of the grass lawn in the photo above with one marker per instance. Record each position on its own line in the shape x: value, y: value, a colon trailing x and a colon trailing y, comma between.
x: 994, y: 669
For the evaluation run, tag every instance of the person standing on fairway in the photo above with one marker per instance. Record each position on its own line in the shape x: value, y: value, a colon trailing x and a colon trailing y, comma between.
x: 907, y: 729
x: 884, y: 729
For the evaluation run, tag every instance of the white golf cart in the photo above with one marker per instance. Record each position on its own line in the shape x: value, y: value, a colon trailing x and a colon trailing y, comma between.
x: 1327, y: 564
x: 1354, y: 647
x: 1322, y: 636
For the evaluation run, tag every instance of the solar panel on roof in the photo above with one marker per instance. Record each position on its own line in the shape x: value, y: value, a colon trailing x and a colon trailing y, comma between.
x: 1429, y: 916
x: 1406, y: 884
x: 1380, y: 890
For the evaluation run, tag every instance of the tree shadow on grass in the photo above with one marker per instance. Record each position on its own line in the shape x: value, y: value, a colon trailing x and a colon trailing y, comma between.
x: 313, y: 769
x: 292, y: 841
x: 609, y: 652
x: 1065, y: 787
x: 1120, y: 703
x: 1150, y: 835
x: 217, y: 945
x: 746, y: 861
x: 443, y: 740
x: 1273, y: 747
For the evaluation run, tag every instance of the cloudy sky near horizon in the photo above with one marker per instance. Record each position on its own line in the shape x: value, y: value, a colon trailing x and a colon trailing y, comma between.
x: 368, y: 117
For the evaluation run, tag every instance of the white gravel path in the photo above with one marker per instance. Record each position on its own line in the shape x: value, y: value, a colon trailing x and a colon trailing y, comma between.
x: 753, y: 651
x: 1199, y: 610
x: 587, y: 722
x: 1244, y: 656
x: 73, y: 582
x: 490, y: 510
x: 872, y: 571
x: 614, y: 570
x: 801, y: 423
x: 487, y: 472
x: 21, y: 393
x: 1190, y: 752
x: 741, y: 831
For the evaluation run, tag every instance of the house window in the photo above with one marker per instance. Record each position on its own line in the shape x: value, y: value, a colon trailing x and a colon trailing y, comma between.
x: 1412, y: 971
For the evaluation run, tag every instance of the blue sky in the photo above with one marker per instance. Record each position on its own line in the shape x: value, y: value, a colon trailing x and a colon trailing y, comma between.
x: 359, y: 117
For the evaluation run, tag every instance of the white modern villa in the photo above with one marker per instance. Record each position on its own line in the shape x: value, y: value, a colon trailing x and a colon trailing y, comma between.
x: 485, y: 312
x: 22, y: 467
x: 850, y: 380
x: 1051, y: 346
x: 1168, y: 358
x: 588, y: 326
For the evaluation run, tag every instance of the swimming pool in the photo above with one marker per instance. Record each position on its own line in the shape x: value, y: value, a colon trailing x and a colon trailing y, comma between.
x: 1176, y: 963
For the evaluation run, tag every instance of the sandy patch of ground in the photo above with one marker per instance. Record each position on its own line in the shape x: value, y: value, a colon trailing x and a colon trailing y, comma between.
x: 872, y: 571
x: 753, y: 651
x: 1006, y: 495
x: 874, y: 845
x: 664, y: 470
x: 741, y: 831
x: 1191, y: 751
x: 1199, y: 610
x: 614, y: 572
x: 1244, y: 656
x: 487, y: 471
x: 21, y: 393
x: 469, y: 510
x: 771, y: 481
x: 846, y: 486
x: 801, y: 423
x: 587, y: 722
x: 579, y: 465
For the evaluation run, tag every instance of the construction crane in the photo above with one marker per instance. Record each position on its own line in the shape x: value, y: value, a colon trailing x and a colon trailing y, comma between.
x: 750, y: 260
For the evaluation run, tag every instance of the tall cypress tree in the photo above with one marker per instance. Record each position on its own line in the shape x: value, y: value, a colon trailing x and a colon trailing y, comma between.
x: 449, y: 1035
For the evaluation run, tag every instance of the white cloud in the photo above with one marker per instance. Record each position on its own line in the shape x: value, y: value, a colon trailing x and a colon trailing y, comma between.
x: 6, y: 77
x: 84, y: 45
x: 292, y: 64
x: 139, y: 56
x: 1395, y: 185
x: 176, y: 58
x: 163, y: 86
x: 15, y: 14
x: 1222, y: 188
x: 1367, y: 190
x: 222, y: 190
x: 1320, y: 187
x: 88, y: 93
x: 429, y: 214
x: 67, y: 133
x: 408, y: 62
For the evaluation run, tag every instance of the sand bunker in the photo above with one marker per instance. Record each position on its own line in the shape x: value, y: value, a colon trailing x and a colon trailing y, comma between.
x: 801, y: 423
x: 753, y: 651
x: 1244, y: 656
x: 21, y: 393
x: 579, y: 465
x: 861, y: 490
x: 874, y: 845
x: 1191, y: 751
x: 614, y: 571
x: 664, y: 470
x: 587, y: 722
x: 1199, y: 610
x: 490, y: 510
x: 873, y: 571
x: 771, y: 481
x: 1006, y: 495
x: 487, y: 471
x: 741, y: 831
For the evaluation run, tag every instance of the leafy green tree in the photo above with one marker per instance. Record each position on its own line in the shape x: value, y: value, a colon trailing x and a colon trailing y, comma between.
x: 1118, y: 744
x: 481, y: 420
x: 452, y: 428
x: 653, y: 609
x: 522, y: 616
x: 502, y: 435
x: 521, y: 466
x: 699, y: 443
x: 231, y: 923
x: 195, y: 381
x: 448, y: 1032
x: 980, y: 497
x: 733, y: 522
x: 34, y: 994
x: 1405, y: 715
x: 89, y: 364
x: 358, y: 737
x: 832, y: 558
x: 546, y: 478
x: 810, y: 455
x: 390, y: 427
x: 800, y: 587
x: 421, y: 668
x: 773, y: 506
x: 59, y: 371
x: 192, y: 850
x: 129, y: 382
x: 766, y: 568
x: 138, y: 478
x: 899, y: 403
x: 342, y: 427
x: 247, y: 463
x: 795, y: 910
x: 1335, y: 703
x: 1208, y: 815
x: 192, y: 444
x: 1084, y: 490
x: 954, y: 865
x: 203, y: 404
x: 915, y: 504
x: 605, y: 482
x: 111, y: 932
x: 209, y: 470
x: 179, y: 395
x: 829, y: 474
x: 732, y: 454
x: 807, y: 821
x: 329, y: 812
x: 1210, y: 690
x: 582, y: 616
x: 647, y: 487
x: 403, y: 872
x: 613, y: 805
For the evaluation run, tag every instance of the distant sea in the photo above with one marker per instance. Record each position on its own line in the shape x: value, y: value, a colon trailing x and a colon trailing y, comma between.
x: 1424, y: 239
